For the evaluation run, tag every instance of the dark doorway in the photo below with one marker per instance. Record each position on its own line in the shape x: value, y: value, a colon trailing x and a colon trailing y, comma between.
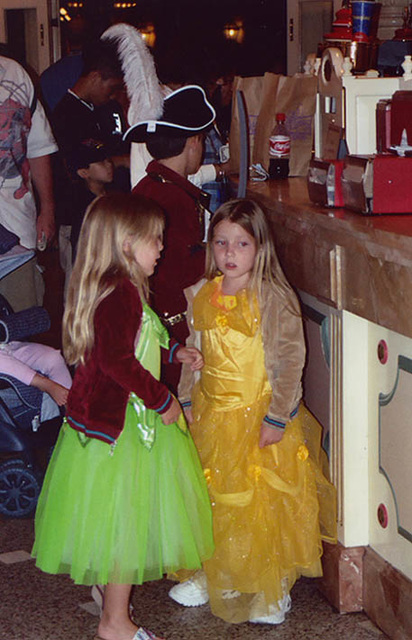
x: 15, y: 26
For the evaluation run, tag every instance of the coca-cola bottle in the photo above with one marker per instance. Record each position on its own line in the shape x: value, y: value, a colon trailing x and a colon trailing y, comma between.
x: 279, y: 149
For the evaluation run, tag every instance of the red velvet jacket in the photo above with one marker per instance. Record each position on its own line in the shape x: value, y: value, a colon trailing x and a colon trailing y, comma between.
x: 183, y: 257
x: 98, y: 397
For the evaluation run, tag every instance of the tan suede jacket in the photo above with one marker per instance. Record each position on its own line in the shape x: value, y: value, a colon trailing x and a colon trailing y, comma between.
x: 284, y: 348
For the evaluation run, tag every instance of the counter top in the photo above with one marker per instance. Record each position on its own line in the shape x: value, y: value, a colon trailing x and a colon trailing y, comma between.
x: 359, y: 263
x: 292, y: 198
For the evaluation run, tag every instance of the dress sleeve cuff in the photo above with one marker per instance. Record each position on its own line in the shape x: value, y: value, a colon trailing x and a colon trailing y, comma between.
x: 274, y: 424
x: 185, y: 404
x: 165, y: 406
x: 173, y: 350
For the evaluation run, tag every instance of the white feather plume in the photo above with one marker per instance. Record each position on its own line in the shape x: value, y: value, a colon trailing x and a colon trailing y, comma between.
x: 143, y: 87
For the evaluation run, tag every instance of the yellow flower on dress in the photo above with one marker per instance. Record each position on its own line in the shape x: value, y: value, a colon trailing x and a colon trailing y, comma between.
x: 208, y: 475
x: 212, y: 309
x: 225, y: 301
x: 254, y: 471
x: 222, y: 322
x: 303, y: 452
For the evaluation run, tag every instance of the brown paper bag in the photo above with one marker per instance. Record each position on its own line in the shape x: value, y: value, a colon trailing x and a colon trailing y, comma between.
x: 265, y: 121
x: 252, y: 91
x: 296, y: 97
x: 266, y: 96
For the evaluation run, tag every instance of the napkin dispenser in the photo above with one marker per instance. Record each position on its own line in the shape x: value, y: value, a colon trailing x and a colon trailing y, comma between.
x: 324, y: 182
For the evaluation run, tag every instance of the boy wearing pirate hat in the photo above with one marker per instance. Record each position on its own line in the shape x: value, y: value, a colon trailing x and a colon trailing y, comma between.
x: 175, y: 141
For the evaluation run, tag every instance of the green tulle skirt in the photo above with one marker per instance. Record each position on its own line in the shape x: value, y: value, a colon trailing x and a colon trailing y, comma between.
x: 125, y: 515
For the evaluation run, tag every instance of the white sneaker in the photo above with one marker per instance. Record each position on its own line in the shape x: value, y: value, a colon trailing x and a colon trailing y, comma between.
x: 229, y: 594
x: 192, y: 592
x: 276, y: 614
x: 286, y: 603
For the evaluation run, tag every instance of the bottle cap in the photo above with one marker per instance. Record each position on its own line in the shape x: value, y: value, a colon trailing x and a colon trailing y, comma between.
x: 280, y: 117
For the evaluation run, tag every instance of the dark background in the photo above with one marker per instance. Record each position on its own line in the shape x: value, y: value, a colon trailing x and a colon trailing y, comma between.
x: 190, y: 32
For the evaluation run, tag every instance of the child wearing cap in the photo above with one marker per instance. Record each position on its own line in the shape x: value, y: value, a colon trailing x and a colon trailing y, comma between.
x: 175, y: 141
x: 90, y: 165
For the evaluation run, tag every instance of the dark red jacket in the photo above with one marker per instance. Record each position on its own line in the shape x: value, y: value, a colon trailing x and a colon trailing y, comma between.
x: 183, y: 257
x: 98, y: 397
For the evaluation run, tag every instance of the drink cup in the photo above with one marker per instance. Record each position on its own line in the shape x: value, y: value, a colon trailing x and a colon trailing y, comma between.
x: 362, y: 14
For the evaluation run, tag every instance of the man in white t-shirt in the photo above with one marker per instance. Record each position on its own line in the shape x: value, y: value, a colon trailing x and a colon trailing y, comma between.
x: 26, y: 142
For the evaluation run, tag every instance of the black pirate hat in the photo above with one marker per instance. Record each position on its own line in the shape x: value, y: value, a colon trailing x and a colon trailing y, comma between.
x: 186, y: 112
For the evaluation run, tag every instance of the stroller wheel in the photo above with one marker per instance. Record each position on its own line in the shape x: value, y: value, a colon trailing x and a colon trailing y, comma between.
x: 19, y: 489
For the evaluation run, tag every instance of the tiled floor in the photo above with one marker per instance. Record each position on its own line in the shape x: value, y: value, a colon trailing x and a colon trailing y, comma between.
x: 37, y: 606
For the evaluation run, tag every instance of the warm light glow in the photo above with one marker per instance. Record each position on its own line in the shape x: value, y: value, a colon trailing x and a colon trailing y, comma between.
x: 235, y: 31
x: 148, y: 34
x: 64, y: 15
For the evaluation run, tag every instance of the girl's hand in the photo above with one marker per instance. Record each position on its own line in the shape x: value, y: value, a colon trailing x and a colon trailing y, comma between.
x: 54, y: 389
x: 171, y: 415
x: 190, y: 356
x: 269, y: 436
x: 189, y: 415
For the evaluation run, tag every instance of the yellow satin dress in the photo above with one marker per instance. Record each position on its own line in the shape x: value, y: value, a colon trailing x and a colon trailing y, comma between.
x: 271, y: 506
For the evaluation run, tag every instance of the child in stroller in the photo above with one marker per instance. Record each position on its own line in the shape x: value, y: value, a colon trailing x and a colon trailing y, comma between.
x: 41, y: 367
x: 34, y: 384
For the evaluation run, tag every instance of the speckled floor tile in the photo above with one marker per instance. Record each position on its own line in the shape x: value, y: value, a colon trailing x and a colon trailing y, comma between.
x: 37, y: 606
x: 11, y: 557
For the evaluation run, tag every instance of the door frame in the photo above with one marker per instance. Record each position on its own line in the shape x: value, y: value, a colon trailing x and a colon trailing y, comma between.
x: 43, y: 27
x: 293, y: 33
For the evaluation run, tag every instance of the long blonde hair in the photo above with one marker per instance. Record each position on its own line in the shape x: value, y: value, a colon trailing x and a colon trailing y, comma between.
x: 103, y: 260
x: 249, y: 215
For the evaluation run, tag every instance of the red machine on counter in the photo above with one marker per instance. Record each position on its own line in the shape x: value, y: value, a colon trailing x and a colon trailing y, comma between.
x: 392, y: 118
x: 374, y: 184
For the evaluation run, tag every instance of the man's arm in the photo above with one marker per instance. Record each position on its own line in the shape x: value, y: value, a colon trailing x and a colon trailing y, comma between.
x: 41, y: 173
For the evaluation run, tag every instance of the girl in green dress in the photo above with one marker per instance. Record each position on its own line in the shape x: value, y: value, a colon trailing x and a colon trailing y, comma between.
x: 124, y: 499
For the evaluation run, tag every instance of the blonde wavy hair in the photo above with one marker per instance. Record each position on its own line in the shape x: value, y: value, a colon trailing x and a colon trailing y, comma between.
x: 103, y: 259
x: 249, y: 215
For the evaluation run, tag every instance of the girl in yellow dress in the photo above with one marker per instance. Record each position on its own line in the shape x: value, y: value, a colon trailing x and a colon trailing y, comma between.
x: 258, y: 444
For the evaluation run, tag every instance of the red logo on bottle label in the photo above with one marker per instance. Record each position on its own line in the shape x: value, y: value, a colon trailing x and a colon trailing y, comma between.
x: 279, y: 146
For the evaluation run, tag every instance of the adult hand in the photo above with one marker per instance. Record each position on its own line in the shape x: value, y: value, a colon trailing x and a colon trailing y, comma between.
x: 45, y: 225
x: 227, y: 167
x: 42, y: 177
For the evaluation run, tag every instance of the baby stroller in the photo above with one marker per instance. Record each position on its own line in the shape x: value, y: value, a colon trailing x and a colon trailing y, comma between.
x: 23, y: 437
